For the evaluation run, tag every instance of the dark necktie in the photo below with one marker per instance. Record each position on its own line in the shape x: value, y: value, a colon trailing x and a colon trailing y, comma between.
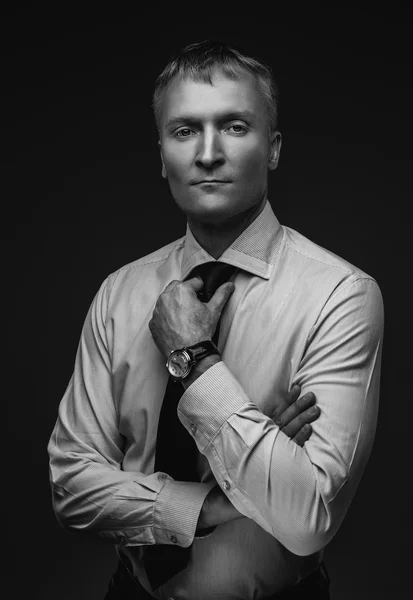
x: 176, y: 452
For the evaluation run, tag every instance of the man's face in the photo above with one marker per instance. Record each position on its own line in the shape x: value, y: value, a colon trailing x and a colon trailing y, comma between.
x: 216, y: 147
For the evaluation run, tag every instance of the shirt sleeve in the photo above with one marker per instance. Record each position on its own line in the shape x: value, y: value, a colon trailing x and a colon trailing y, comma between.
x: 90, y: 491
x: 299, y: 494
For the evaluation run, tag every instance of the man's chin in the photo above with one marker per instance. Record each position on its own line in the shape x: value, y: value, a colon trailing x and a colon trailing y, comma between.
x: 208, y: 208
x: 217, y: 210
x: 212, y: 215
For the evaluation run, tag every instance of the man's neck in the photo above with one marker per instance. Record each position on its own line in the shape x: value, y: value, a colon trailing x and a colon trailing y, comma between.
x: 215, y: 239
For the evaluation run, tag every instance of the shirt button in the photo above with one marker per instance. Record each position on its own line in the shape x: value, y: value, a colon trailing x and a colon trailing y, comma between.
x: 226, y: 485
x: 174, y: 539
x: 193, y: 428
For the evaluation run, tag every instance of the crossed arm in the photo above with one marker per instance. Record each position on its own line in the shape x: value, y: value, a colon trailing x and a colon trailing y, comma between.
x: 293, y: 415
x: 298, y: 495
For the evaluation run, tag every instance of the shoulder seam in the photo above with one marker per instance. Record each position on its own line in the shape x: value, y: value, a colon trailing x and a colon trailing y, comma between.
x: 316, y: 259
x: 357, y: 272
x: 348, y: 284
x: 338, y: 290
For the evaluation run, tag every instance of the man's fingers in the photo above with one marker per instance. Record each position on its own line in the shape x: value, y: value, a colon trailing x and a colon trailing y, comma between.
x: 303, y: 435
x: 294, y: 409
x: 220, y: 298
x: 305, y: 418
x: 196, y: 283
x: 289, y: 399
x: 292, y: 395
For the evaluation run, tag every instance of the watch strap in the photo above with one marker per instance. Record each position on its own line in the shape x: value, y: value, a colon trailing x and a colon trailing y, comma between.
x: 201, y: 350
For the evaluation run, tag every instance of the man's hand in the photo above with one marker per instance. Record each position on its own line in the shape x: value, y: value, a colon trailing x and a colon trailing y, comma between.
x: 181, y: 319
x: 295, y: 413
x: 216, y: 509
x: 293, y: 416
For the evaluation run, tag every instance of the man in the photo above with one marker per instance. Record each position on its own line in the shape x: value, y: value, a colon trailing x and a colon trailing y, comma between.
x: 262, y: 506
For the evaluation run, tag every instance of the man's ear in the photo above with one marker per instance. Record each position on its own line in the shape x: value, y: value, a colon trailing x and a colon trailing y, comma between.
x: 276, y: 140
x: 164, y: 174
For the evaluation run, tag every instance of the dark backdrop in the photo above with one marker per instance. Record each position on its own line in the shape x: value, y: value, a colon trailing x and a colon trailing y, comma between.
x: 83, y: 189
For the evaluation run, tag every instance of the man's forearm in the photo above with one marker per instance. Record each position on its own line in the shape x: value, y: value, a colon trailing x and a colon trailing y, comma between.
x: 216, y: 509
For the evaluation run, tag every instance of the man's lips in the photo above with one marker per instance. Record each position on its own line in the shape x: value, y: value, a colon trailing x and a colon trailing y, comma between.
x: 211, y: 181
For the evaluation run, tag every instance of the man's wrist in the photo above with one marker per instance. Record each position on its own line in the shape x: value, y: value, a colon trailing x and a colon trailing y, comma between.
x: 200, y: 368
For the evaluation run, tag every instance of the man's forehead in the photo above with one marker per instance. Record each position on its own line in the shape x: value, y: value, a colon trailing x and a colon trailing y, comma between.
x: 224, y: 94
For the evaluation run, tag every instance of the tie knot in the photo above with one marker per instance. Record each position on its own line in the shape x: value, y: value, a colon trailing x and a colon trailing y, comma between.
x: 213, y: 275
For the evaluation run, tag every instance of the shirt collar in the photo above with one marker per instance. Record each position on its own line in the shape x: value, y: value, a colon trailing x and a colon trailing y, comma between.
x: 255, y: 250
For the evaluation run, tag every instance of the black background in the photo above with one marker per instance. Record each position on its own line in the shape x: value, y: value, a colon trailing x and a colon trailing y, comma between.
x: 83, y: 195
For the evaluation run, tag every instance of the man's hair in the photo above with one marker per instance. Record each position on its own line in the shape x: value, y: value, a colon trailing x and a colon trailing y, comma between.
x: 198, y: 63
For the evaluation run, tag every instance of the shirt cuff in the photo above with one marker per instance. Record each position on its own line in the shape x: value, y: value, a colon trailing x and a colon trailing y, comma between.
x: 209, y: 402
x: 177, y: 509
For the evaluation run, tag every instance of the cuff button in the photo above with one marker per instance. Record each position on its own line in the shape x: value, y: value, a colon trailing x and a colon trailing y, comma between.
x: 174, y: 539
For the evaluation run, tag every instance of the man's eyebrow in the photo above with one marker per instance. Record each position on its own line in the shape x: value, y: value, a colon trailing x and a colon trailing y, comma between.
x: 247, y: 115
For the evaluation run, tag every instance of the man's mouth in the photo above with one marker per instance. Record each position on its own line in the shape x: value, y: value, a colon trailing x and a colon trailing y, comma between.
x: 211, y: 181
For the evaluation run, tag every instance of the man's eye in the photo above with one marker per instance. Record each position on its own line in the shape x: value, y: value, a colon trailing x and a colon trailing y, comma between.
x: 184, y: 133
x: 238, y: 128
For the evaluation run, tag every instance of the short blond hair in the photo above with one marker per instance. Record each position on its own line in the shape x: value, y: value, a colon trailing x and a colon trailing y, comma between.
x: 198, y: 63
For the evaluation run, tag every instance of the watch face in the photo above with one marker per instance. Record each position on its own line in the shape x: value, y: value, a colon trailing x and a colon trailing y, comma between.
x: 178, y: 364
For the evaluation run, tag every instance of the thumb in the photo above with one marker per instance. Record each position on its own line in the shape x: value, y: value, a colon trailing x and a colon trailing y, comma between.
x: 220, y: 298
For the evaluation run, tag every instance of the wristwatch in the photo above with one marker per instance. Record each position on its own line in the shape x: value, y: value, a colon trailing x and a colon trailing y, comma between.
x: 181, y: 361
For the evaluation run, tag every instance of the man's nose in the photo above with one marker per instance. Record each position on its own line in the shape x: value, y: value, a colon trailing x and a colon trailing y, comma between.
x: 210, y: 152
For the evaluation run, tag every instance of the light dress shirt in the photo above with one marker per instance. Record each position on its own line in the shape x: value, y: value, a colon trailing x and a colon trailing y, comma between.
x: 299, y: 314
